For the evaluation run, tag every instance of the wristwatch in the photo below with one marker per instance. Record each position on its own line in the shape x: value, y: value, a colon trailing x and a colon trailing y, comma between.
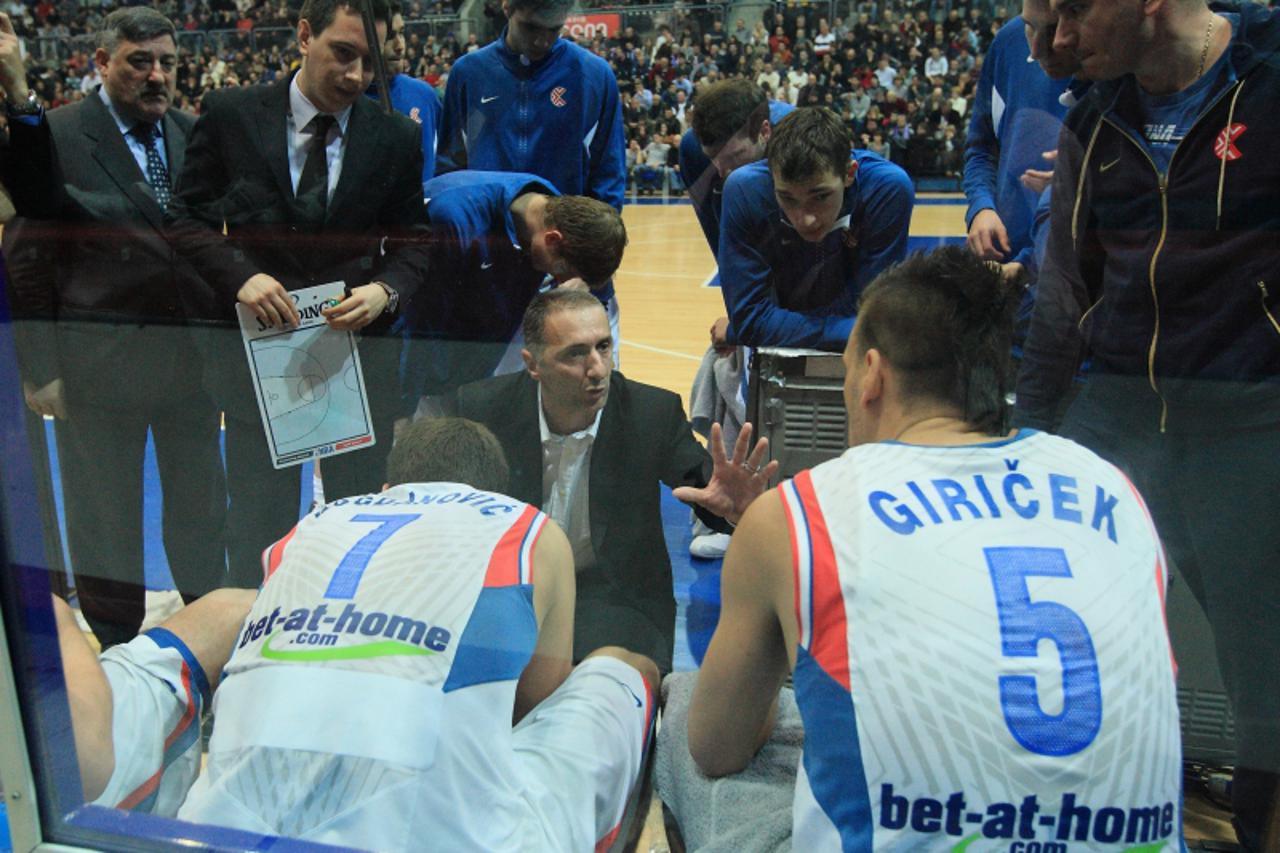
x: 29, y: 107
x: 393, y: 298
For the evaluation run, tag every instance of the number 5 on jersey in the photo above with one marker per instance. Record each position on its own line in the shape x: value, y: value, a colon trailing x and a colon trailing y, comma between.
x: 1023, y: 624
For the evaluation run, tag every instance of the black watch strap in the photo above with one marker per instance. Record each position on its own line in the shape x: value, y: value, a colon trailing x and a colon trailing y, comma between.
x: 30, y: 106
x: 393, y: 298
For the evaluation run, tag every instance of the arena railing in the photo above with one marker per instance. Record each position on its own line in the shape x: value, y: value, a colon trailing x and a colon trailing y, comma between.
x: 604, y: 21
x: 255, y: 40
x: 433, y: 25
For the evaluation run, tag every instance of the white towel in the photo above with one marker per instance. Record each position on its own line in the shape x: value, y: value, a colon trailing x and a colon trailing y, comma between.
x: 743, y: 813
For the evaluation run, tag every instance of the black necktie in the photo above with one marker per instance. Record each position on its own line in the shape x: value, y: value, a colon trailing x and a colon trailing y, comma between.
x: 157, y: 174
x: 313, y: 186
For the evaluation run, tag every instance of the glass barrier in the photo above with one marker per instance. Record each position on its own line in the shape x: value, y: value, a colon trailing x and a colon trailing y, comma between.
x: 364, y: 483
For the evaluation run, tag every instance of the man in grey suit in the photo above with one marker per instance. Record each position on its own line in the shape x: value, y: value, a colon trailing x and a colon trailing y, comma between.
x: 288, y: 186
x: 106, y: 351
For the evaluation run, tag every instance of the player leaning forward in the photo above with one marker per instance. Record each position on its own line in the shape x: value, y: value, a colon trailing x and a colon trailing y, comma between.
x: 370, y: 697
x: 974, y: 617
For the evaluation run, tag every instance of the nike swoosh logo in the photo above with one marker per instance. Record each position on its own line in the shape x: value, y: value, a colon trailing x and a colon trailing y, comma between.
x: 639, y: 704
x: 485, y: 100
x: 381, y: 649
x: 486, y: 266
x: 1106, y: 166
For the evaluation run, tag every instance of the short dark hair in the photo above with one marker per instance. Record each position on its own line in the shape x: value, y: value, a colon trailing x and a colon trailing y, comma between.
x: 135, y: 24
x: 548, y: 303
x: 945, y: 321
x: 448, y: 450
x: 594, y: 236
x: 540, y: 6
x: 809, y: 142
x: 320, y: 13
x: 726, y: 107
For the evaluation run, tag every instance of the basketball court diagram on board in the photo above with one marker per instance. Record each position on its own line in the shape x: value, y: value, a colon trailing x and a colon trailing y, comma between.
x: 310, y: 389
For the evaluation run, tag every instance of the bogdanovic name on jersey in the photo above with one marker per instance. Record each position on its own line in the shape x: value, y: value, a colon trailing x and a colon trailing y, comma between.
x: 1073, y: 821
x: 486, y: 502
x: 398, y: 635
x: 913, y: 505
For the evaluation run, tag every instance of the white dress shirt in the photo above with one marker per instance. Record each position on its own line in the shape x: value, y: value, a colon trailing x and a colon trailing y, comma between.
x: 301, y: 111
x: 136, y: 148
x: 566, y: 470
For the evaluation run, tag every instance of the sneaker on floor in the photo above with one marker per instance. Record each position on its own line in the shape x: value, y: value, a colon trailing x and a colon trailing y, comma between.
x: 709, y: 546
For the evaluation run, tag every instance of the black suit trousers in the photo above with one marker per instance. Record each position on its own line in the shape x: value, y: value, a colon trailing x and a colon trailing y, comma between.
x: 101, y: 449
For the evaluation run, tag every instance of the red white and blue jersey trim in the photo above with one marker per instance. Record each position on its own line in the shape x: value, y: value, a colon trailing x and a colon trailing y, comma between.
x: 1162, y: 576
x: 273, y: 555
x: 832, y: 806
x: 502, y: 632
x: 512, y: 561
x: 820, y: 610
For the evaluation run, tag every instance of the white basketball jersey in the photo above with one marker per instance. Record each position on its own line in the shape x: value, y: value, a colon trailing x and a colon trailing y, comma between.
x: 369, y: 699
x: 982, y: 658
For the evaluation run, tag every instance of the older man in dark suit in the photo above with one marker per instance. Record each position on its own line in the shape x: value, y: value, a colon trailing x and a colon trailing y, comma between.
x: 105, y: 351
x: 313, y: 184
x: 589, y: 447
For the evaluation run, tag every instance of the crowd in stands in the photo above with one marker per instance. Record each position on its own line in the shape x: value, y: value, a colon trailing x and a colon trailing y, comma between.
x: 903, y: 79
x: 221, y: 42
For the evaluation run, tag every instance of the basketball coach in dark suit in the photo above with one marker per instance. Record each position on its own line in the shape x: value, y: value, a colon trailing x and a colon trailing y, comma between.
x: 313, y: 183
x: 106, y: 351
x: 589, y: 447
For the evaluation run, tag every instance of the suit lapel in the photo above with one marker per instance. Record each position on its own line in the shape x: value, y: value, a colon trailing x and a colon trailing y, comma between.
x: 526, y: 439
x: 112, y: 153
x: 608, y: 464
x: 362, y: 144
x: 175, y: 140
x: 272, y: 126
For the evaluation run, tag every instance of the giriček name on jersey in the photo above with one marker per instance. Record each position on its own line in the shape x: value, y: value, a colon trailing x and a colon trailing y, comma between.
x: 915, y: 504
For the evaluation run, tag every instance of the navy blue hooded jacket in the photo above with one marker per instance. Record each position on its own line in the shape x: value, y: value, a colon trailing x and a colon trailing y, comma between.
x: 1173, y: 277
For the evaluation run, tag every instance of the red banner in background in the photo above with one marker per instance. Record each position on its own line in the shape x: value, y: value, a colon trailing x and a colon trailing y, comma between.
x: 592, y: 26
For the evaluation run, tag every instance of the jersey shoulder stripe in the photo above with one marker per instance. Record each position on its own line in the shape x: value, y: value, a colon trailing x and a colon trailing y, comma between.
x: 272, y: 557
x: 507, y: 563
x: 530, y: 541
x: 1161, y: 574
x: 828, y: 626
x: 800, y: 558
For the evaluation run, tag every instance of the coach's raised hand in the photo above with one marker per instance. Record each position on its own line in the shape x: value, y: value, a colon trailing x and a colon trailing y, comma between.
x: 735, y: 482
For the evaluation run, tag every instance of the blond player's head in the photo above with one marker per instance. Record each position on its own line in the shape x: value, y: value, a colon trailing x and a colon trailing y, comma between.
x: 448, y: 450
